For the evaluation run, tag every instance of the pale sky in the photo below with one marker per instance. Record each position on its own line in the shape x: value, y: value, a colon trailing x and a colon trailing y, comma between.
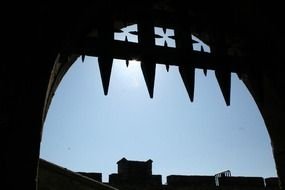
x: 89, y: 132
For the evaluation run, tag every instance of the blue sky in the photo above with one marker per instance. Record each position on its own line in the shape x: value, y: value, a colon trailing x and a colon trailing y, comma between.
x: 87, y: 131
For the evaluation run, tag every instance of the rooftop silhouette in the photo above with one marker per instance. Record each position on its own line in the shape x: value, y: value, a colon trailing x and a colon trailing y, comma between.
x: 138, y: 175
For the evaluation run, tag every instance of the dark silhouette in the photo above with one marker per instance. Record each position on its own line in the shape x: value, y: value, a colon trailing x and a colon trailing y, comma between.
x: 137, y: 175
x: 42, y: 40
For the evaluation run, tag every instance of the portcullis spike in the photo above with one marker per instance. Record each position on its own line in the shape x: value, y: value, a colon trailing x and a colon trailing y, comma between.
x: 82, y: 58
x: 187, y: 73
x: 105, y: 66
x: 148, y: 69
x: 224, y: 80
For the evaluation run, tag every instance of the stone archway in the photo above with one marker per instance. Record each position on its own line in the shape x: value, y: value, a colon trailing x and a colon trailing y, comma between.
x: 42, y: 31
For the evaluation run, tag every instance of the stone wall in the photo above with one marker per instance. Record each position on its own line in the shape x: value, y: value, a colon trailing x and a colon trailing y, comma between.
x: 241, y: 183
x: 272, y: 183
x: 179, y: 182
x: 53, y: 177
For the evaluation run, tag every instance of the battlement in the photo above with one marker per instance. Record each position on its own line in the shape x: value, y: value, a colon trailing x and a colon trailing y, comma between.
x: 182, y: 180
x: 134, y: 168
x: 253, y: 183
x: 137, y: 175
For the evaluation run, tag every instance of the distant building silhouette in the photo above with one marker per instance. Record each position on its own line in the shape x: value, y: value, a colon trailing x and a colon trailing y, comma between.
x: 137, y: 175
x: 246, y: 37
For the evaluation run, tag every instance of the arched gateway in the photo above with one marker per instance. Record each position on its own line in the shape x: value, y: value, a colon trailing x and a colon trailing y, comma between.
x: 44, y: 39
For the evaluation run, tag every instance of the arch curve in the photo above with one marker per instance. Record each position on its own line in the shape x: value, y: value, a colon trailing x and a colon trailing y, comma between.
x: 31, y: 76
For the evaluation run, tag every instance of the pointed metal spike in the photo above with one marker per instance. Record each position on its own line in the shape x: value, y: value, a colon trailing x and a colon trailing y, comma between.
x: 187, y: 73
x: 127, y: 62
x: 224, y: 80
x: 148, y: 69
x: 82, y: 58
x: 167, y: 67
x: 205, y: 71
x: 105, y: 66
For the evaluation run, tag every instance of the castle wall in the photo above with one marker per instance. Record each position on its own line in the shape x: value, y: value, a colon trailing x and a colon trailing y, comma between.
x: 241, y: 183
x: 179, y: 182
x: 272, y: 183
x: 53, y: 177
